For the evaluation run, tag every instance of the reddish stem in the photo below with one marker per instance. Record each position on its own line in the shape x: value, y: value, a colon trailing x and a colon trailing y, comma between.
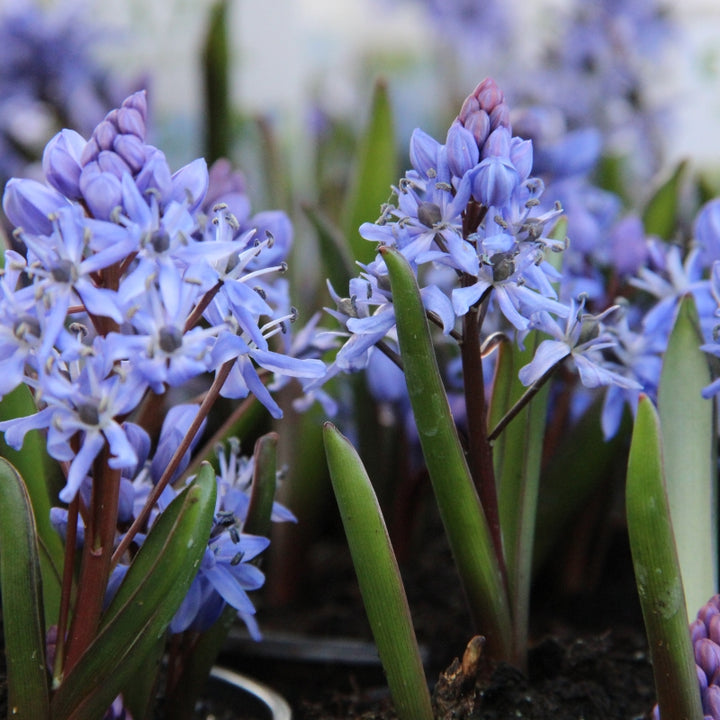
x: 95, y: 563
x: 480, y: 458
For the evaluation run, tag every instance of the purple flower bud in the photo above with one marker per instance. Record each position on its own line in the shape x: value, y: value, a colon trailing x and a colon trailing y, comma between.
x: 90, y: 152
x: 498, y: 143
x: 132, y: 150
x: 521, y: 155
x: 698, y: 630
x: 479, y: 126
x: 61, y: 162
x: 489, y: 95
x: 155, y: 175
x: 711, y: 701
x: 138, y: 101
x: 131, y: 122
x: 102, y: 191
x: 28, y: 204
x: 470, y: 107
x: 707, y: 656
x: 500, y: 117
x: 112, y: 163
x: 462, y: 150
x: 484, y: 110
x: 423, y: 153
x: 713, y: 628
x: 104, y: 135
x: 494, y: 182
x: 709, y: 609
x: 190, y: 183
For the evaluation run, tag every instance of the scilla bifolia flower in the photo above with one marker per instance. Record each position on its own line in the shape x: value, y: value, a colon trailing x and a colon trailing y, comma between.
x: 133, y: 285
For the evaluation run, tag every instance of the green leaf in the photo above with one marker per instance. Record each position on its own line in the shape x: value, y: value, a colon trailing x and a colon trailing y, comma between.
x: 657, y: 571
x: 262, y: 494
x: 661, y: 213
x: 32, y: 463
x: 215, y: 65
x: 374, y: 174
x: 204, y: 648
x: 379, y: 578
x: 687, y: 425
x: 21, y: 600
x: 139, y: 614
x: 338, y: 265
x: 460, y: 509
x: 518, y: 454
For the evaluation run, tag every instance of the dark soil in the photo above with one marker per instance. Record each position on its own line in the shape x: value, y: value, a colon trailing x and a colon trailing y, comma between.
x: 588, y: 655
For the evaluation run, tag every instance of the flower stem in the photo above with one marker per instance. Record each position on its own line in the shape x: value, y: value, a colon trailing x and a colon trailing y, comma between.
x: 480, y: 457
x: 521, y: 402
x: 205, y: 406
x: 95, y: 563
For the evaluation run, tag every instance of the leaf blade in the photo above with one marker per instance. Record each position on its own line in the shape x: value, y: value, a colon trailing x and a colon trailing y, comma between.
x: 379, y: 578
x: 28, y: 694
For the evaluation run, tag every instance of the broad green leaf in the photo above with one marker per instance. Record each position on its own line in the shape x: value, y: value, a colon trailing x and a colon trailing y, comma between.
x: 518, y: 455
x: 379, y: 578
x: 660, y: 215
x: 657, y: 571
x: 139, y: 614
x: 687, y: 425
x: 32, y: 463
x: 374, y: 173
x: 21, y: 600
x: 460, y: 509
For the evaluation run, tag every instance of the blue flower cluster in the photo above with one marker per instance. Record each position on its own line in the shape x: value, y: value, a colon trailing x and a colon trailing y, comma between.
x: 473, y: 222
x: 469, y: 219
x: 133, y: 283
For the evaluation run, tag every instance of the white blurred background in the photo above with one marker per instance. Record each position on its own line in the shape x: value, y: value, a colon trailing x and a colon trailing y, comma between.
x: 285, y: 52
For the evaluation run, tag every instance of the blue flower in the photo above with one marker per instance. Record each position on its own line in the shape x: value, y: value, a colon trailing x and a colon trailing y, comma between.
x: 85, y: 405
x: 582, y: 339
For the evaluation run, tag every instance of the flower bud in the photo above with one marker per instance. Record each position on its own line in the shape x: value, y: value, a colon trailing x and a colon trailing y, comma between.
x: 112, y: 163
x: 711, y: 701
x: 132, y: 150
x: 28, y: 204
x: 698, y: 630
x: 423, y: 153
x: 190, y: 184
x: 462, y: 150
x: 707, y: 656
x: 61, y: 162
x: 713, y: 629
x: 709, y: 609
x: 521, y: 155
x: 498, y: 143
x: 155, y: 175
x: 130, y: 122
x: 104, y: 135
x: 102, y: 191
x: 494, y: 182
